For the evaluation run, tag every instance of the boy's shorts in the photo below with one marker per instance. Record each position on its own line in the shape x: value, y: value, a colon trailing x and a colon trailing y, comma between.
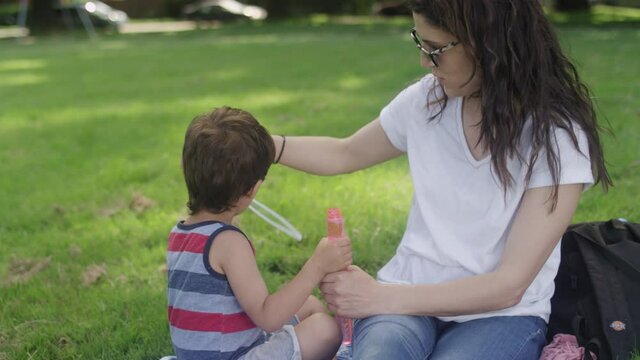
x: 281, y: 345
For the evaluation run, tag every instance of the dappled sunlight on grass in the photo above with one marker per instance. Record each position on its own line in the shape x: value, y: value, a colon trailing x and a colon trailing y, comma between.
x: 21, y: 72
x: 325, y: 19
x: 352, y: 82
x: 21, y: 64
x: 598, y: 15
x: 114, y: 45
x: 137, y: 110
x: 248, y: 100
x: 615, y: 13
x: 262, y: 39
x: 22, y: 79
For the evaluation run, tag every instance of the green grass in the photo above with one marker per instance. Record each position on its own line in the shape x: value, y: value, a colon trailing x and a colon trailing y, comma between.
x: 599, y: 16
x: 84, y: 125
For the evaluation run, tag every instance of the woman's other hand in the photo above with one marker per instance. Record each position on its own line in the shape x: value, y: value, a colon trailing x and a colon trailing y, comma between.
x: 352, y: 293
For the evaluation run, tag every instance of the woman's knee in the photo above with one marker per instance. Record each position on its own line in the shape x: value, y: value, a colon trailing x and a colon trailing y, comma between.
x: 494, y: 338
x: 375, y: 337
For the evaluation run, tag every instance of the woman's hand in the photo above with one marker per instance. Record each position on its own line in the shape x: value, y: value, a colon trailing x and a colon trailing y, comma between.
x: 352, y: 293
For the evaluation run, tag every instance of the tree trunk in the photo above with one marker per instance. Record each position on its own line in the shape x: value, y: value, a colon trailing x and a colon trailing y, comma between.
x: 571, y: 5
x: 43, y: 14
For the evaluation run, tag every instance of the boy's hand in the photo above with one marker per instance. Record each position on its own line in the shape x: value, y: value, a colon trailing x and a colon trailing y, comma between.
x: 332, y: 255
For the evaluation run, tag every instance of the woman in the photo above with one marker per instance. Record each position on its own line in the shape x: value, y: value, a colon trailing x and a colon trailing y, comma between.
x: 501, y: 140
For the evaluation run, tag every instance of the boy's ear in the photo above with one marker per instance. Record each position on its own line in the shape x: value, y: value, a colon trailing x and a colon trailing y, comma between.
x: 254, y: 190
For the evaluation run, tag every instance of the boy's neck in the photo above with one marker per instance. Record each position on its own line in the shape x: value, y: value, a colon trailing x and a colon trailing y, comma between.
x: 203, y: 215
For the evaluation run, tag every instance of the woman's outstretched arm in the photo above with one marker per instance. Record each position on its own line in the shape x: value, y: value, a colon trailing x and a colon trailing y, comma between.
x: 331, y: 156
x: 533, y: 236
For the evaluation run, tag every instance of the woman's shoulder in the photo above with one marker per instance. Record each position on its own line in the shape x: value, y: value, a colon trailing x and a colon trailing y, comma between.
x: 555, y: 133
x: 428, y: 81
x: 424, y: 85
x: 419, y: 92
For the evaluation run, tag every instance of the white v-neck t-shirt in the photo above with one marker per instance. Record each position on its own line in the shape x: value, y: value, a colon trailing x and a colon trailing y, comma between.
x: 460, y: 217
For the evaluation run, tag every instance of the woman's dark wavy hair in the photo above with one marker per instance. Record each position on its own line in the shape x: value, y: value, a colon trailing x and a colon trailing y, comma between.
x: 524, y: 75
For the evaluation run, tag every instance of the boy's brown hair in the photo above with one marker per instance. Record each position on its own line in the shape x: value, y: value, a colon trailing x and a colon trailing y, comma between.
x: 225, y: 153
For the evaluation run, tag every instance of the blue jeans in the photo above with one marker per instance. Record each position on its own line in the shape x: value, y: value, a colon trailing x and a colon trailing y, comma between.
x: 422, y: 337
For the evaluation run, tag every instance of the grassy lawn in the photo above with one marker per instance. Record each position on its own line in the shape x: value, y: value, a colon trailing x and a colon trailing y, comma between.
x: 90, y: 140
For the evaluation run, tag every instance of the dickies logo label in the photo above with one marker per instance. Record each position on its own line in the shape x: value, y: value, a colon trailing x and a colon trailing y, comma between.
x: 618, y: 325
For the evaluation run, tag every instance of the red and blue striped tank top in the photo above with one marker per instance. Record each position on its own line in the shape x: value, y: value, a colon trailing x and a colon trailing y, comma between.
x: 205, y: 318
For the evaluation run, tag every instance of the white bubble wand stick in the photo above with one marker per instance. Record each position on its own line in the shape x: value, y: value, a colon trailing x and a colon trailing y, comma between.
x: 274, y: 219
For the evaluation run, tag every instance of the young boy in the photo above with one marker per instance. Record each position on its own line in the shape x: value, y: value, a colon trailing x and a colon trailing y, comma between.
x: 219, y: 305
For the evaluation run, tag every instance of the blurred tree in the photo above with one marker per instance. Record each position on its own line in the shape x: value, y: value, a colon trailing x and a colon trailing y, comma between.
x: 569, y: 5
x: 362, y: 6
x: 174, y: 7
x: 277, y: 8
x: 285, y: 8
x: 43, y: 14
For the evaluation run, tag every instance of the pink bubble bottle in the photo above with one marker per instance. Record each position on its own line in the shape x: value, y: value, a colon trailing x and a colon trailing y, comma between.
x: 335, y: 230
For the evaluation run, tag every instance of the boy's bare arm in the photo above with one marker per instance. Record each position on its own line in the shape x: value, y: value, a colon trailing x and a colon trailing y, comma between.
x: 271, y: 312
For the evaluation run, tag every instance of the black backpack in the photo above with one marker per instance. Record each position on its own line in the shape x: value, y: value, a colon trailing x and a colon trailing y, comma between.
x: 597, y: 296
